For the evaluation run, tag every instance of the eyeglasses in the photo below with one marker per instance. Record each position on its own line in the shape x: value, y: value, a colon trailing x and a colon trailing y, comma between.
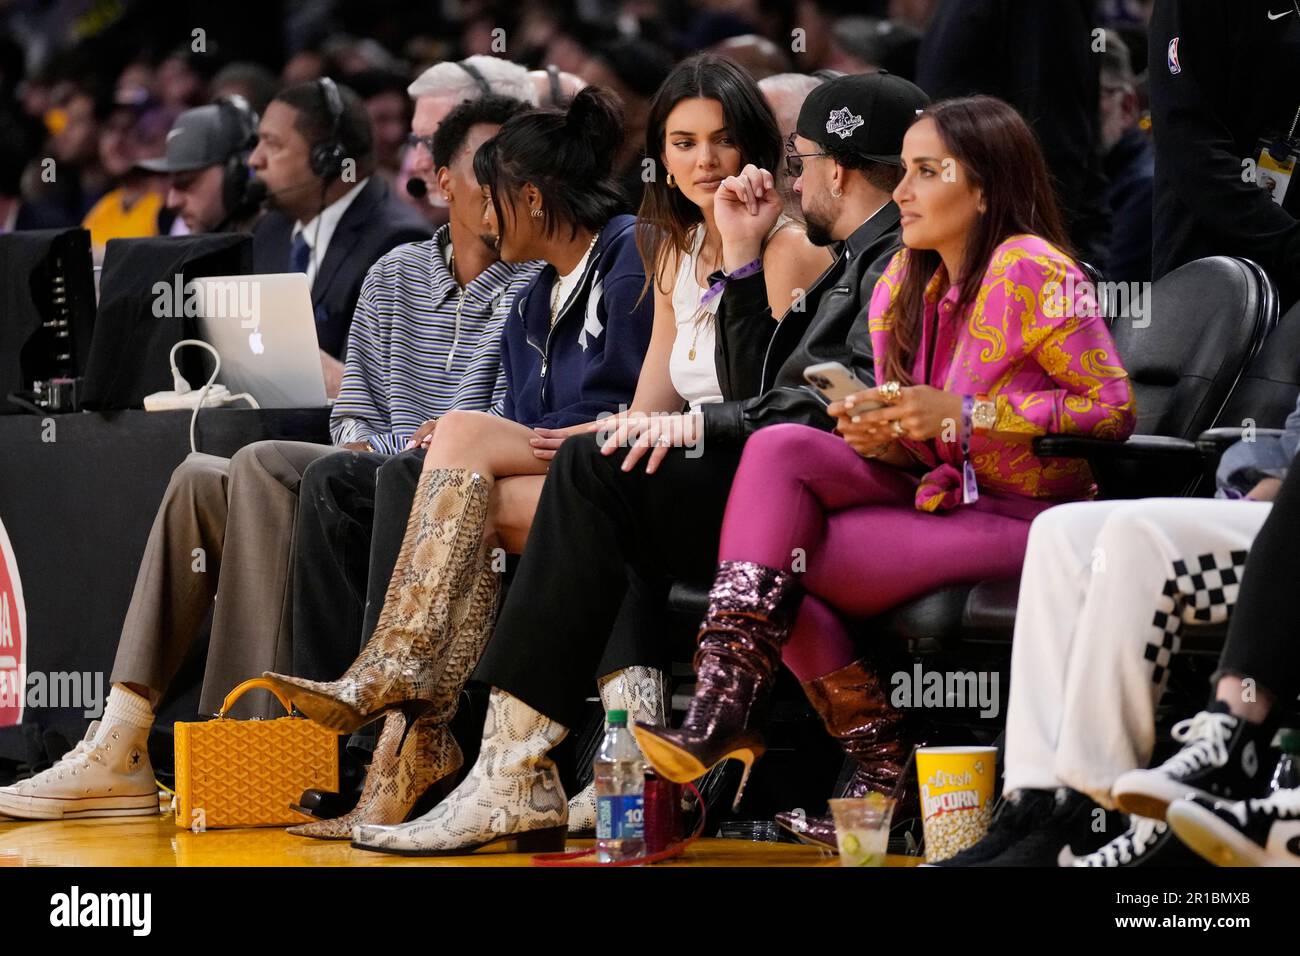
x: 794, y: 161
x: 426, y: 141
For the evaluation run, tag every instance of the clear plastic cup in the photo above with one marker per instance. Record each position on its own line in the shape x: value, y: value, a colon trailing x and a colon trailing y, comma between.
x: 862, y: 828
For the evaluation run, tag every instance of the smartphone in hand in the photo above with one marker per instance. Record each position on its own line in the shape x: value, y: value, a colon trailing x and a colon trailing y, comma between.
x: 836, y: 383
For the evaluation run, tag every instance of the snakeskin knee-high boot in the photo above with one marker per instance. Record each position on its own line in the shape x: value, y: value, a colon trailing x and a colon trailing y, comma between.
x: 436, y: 572
x: 404, y: 772
x: 512, y: 793
x: 643, y: 693
x: 751, y: 610
x: 395, y: 781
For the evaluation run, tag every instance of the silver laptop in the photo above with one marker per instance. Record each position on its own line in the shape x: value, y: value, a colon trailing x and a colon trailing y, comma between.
x: 264, y: 328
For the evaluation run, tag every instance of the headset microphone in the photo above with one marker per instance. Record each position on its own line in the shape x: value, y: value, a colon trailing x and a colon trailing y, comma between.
x: 417, y: 187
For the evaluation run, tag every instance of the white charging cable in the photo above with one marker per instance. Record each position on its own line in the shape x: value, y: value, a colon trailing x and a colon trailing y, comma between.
x: 181, y: 387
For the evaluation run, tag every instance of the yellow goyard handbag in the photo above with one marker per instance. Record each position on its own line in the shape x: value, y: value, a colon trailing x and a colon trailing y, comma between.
x: 246, y: 773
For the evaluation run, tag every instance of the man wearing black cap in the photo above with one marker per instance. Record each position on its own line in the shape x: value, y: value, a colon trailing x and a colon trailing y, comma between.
x: 207, y: 161
x: 601, y: 515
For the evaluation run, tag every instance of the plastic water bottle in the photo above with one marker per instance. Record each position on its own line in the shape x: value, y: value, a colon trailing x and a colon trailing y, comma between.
x: 620, y: 793
x: 1287, y: 774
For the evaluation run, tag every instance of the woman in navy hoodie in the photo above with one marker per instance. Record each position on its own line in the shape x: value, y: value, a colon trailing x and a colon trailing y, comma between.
x: 572, y: 349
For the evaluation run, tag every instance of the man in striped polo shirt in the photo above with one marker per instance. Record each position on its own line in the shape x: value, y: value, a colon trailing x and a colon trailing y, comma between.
x: 425, y: 339
x: 422, y: 344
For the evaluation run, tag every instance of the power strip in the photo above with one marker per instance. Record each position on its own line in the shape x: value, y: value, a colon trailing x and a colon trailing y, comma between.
x: 171, y: 401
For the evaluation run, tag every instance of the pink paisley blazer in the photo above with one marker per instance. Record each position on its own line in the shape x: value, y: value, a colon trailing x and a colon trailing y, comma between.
x: 1034, y: 342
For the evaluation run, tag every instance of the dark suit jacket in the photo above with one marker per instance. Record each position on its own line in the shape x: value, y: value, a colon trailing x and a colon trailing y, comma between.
x: 375, y: 223
x: 761, y: 371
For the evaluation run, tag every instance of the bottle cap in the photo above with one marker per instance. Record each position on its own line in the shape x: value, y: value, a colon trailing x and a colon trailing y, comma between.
x: 617, y: 717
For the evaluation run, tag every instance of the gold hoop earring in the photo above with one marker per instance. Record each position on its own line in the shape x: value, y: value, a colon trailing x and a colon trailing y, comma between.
x: 672, y: 183
x: 535, y: 213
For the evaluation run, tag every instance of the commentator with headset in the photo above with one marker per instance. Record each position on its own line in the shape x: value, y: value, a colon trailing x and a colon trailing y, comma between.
x: 210, y: 187
x: 328, y: 216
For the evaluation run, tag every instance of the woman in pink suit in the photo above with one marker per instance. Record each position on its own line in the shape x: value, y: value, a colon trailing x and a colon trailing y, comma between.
x: 985, y: 336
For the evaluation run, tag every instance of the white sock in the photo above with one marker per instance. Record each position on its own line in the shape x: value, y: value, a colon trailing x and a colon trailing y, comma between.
x: 124, y: 706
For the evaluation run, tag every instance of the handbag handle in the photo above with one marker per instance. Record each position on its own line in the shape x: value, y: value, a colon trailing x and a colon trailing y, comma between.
x: 252, y: 684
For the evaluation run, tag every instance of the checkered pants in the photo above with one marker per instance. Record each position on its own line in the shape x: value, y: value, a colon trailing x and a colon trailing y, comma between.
x: 1107, y: 588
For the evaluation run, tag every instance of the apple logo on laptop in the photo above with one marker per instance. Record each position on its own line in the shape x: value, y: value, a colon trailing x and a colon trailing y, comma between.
x: 255, y: 342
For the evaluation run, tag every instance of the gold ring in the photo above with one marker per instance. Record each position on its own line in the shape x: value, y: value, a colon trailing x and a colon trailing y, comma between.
x: 898, y: 428
x: 890, y: 392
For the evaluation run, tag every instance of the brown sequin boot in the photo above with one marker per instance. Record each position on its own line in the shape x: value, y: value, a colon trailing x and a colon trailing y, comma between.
x: 854, y: 705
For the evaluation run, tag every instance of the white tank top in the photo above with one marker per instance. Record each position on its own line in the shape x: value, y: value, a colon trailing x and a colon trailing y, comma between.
x: 691, y: 364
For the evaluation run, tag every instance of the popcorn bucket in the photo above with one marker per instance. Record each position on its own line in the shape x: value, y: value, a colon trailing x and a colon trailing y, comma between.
x: 956, y: 797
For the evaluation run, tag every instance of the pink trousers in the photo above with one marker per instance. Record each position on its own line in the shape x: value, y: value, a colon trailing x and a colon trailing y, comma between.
x: 804, y: 501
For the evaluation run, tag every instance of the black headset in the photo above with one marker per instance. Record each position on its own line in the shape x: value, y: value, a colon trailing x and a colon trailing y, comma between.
x: 236, y: 174
x: 477, y: 76
x: 327, y: 157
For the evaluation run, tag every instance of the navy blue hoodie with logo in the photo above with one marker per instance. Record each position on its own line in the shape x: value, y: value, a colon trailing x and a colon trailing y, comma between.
x: 590, y: 361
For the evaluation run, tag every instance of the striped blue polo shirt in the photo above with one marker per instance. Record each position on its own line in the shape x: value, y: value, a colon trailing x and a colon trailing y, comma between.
x: 420, y: 346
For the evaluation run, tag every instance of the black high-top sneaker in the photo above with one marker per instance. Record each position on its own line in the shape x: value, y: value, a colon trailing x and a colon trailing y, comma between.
x: 1017, y: 815
x: 1222, y: 756
x: 1033, y: 829
x: 1145, y: 843
x: 1244, y: 833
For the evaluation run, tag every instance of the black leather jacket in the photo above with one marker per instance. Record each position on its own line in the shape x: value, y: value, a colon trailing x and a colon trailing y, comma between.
x: 761, y: 372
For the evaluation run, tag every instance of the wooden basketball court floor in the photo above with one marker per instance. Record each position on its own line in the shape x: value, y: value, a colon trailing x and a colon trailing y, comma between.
x: 157, y: 841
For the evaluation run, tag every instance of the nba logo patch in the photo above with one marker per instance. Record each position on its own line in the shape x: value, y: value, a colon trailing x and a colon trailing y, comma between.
x: 1174, y: 66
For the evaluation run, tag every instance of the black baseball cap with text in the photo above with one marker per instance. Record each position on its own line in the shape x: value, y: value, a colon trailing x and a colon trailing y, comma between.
x: 867, y: 113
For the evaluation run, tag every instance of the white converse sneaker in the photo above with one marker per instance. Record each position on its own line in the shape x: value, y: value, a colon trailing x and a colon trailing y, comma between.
x: 108, y: 778
x: 643, y: 693
x: 513, y: 793
x: 1243, y: 833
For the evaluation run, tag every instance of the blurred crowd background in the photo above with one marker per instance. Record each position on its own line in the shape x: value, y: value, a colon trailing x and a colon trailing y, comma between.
x: 95, y: 85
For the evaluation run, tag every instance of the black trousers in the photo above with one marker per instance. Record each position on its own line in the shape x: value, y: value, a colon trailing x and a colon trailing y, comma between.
x: 594, y: 523
x: 352, y: 514
x: 1261, y: 634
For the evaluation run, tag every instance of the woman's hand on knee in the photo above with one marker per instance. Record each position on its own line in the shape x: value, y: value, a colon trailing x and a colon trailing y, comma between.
x: 547, y: 441
x: 423, y: 435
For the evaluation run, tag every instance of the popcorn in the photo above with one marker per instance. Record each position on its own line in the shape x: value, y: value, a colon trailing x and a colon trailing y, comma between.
x: 956, y: 797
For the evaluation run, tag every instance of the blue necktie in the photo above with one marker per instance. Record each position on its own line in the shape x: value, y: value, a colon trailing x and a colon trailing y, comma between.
x: 300, y: 254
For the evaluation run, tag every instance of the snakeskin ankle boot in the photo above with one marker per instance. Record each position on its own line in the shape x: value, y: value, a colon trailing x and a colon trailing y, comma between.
x: 643, y: 693
x: 512, y: 794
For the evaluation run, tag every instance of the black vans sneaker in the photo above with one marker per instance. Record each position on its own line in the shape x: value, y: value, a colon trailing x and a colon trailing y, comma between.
x: 1222, y: 756
x: 1145, y: 843
x: 1243, y: 833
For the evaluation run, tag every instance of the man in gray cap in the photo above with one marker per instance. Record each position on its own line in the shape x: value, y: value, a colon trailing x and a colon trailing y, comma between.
x: 207, y: 161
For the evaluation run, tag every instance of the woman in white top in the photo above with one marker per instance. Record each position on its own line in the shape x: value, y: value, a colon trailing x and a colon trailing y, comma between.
x: 707, y: 122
